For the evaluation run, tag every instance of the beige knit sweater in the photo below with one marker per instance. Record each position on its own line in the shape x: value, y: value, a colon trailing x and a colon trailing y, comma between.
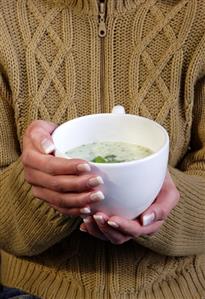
x: 55, y: 66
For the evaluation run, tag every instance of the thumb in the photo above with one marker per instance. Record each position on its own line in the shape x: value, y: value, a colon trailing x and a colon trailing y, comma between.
x: 39, y: 133
x: 166, y: 200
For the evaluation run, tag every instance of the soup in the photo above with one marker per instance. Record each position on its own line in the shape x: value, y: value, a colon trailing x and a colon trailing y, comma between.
x: 109, y: 152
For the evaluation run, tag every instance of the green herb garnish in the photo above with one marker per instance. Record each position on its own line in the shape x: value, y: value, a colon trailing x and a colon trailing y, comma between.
x: 106, y: 159
x: 98, y: 159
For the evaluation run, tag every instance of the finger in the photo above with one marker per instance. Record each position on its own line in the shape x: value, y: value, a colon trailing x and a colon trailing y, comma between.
x: 75, y: 212
x: 91, y: 227
x: 113, y: 235
x: 39, y: 132
x: 53, y: 165
x: 62, y: 183
x: 152, y: 229
x: 67, y: 200
x: 83, y: 228
x: 166, y: 200
x: 133, y: 228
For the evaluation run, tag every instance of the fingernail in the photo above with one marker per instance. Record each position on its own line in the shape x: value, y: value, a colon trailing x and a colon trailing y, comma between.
x: 148, y: 219
x: 84, y: 167
x: 86, y: 220
x: 85, y: 210
x: 113, y: 224
x: 99, y: 219
x: 93, y: 182
x: 97, y: 196
x: 83, y: 230
x: 48, y: 146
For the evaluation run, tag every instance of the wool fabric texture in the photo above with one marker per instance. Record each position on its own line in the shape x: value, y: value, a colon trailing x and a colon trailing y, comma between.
x: 55, y: 67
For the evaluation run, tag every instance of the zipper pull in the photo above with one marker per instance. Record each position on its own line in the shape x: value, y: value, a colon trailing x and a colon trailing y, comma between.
x: 102, y: 26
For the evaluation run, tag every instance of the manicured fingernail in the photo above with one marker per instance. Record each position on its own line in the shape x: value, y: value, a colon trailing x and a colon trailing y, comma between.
x: 85, y: 210
x: 93, y: 182
x: 83, y: 230
x: 86, y: 220
x: 97, y: 196
x: 48, y: 146
x: 113, y: 224
x: 84, y: 167
x: 148, y: 219
x: 99, y: 219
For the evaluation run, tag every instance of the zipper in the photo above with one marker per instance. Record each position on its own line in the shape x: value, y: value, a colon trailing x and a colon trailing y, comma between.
x: 102, y: 25
x: 102, y: 33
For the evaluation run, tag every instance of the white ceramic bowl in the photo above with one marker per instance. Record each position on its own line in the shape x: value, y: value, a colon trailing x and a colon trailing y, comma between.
x: 129, y: 187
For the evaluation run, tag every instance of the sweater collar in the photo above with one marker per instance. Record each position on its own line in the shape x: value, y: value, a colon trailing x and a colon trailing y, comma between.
x: 92, y: 6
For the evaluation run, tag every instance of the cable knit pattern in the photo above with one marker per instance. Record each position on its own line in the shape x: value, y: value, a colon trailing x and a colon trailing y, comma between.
x: 54, y: 66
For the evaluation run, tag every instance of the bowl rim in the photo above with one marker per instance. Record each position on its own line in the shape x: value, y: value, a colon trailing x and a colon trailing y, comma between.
x: 113, y: 115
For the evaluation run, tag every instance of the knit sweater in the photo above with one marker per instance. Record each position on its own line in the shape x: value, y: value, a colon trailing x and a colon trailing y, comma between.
x: 58, y: 63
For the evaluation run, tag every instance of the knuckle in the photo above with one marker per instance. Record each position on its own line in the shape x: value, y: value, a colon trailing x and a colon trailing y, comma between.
x: 55, y: 185
x: 36, y: 134
x: 82, y: 200
x: 50, y: 168
x: 174, y: 193
x: 52, y: 200
x: 78, y: 184
x: 37, y: 123
x: 162, y: 213
x: 61, y: 202
x: 32, y: 134
x: 58, y: 186
x: 36, y: 131
x: 31, y: 127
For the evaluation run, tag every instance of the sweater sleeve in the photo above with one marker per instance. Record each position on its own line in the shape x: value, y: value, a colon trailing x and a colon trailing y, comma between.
x: 183, y: 233
x: 28, y: 226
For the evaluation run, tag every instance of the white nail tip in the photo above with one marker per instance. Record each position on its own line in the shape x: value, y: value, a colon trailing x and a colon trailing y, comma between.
x: 83, y: 230
x: 84, y: 167
x: 85, y: 210
x: 100, y: 180
x: 97, y: 196
x: 86, y: 220
x: 148, y: 219
x: 47, y: 146
x: 113, y: 224
x: 98, y: 217
x: 93, y: 182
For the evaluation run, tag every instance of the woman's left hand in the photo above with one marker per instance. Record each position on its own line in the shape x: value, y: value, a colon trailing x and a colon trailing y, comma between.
x: 118, y: 230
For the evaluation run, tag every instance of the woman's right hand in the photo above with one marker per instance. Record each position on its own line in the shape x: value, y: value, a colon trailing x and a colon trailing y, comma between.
x: 65, y: 184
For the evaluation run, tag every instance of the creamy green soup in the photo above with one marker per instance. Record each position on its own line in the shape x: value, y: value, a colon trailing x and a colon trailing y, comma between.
x: 109, y: 152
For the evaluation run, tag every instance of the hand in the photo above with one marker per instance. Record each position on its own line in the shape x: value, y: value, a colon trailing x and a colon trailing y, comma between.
x: 119, y: 230
x: 65, y: 184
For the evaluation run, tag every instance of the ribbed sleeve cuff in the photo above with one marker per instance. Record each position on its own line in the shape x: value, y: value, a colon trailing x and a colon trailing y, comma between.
x: 28, y: 225
x: 183, y: 232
